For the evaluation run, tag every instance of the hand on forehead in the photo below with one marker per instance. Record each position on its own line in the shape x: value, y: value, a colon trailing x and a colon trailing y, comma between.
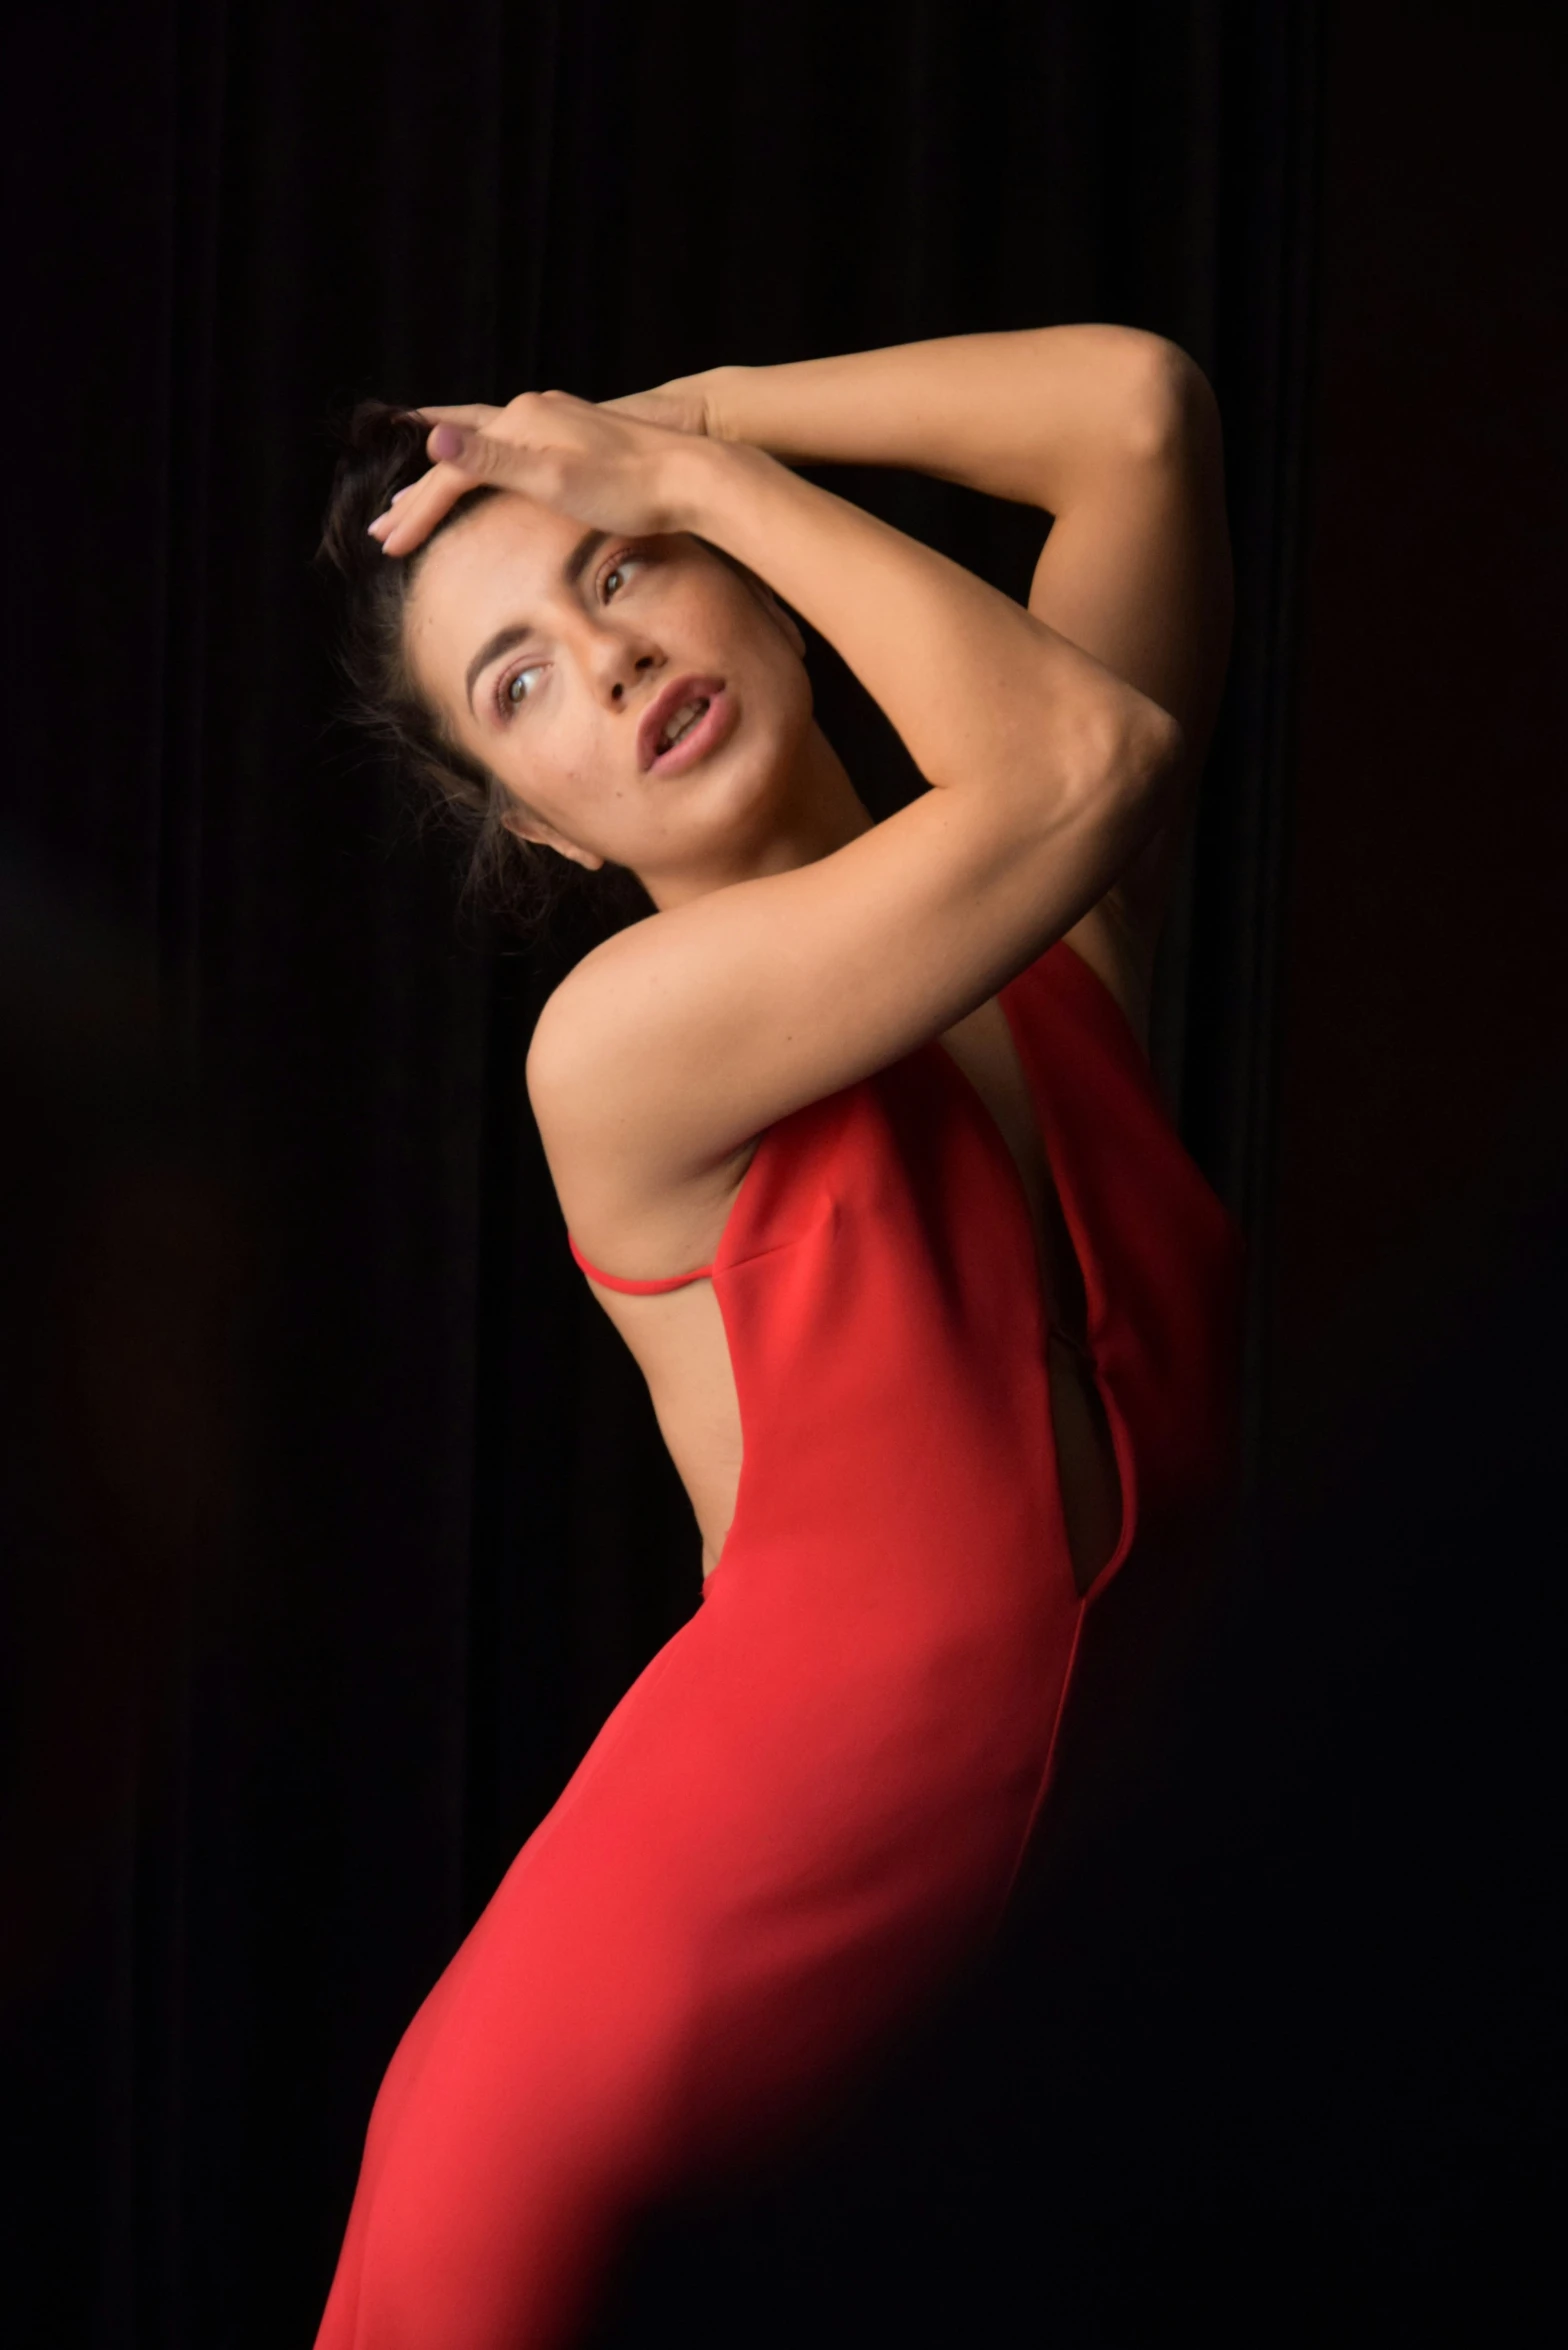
x: 598, y: 464
x: 420, y: 505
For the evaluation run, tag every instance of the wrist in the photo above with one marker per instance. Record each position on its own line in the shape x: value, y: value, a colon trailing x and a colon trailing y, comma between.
x: 724, y: 401
x: 699, y: 481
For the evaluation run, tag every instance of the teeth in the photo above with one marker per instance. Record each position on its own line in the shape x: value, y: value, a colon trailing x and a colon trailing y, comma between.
x: 684, y: 719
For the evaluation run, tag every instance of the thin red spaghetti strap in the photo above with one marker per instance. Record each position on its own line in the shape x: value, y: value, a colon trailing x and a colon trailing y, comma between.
x: 635, y: 1288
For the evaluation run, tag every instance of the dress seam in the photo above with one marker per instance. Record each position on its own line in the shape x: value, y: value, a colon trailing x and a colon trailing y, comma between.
x: 1044, y: 1780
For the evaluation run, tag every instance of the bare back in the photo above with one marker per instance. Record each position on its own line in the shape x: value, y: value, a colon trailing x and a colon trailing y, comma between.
x: 678, y: 1338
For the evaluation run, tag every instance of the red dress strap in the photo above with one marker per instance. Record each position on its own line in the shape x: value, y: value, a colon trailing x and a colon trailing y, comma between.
x: 635, y: 1288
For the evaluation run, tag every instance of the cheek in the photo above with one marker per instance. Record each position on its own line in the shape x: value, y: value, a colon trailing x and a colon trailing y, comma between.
x: 789, y: 687
x: 550, y: 770
x: 747, y: 643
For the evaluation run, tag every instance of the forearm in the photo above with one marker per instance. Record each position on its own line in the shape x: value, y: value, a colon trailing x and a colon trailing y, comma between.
x: 984, y: 695
x: 1035, y: 416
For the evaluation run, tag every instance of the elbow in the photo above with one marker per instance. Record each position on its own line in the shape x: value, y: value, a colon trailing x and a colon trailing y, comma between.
x: 1160, y: 756
x: 1132, y: 753
x: 1152, y: 753
x: 1168, y: 408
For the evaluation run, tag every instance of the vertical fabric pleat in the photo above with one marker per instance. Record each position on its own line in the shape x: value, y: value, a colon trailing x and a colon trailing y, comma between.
x: 453, y: 1535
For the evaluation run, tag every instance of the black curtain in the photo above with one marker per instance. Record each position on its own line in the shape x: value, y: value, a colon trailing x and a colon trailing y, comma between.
x: 444, y: 1535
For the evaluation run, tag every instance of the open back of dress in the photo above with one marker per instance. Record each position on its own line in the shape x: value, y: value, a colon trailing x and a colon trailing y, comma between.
x: 813, y: 1805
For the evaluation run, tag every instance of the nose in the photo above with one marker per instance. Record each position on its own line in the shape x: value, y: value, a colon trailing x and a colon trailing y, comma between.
x: 621, y: 664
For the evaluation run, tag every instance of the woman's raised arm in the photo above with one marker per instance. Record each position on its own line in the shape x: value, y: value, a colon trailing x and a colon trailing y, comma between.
x: 1036, y: 416
x: 1113, y: 431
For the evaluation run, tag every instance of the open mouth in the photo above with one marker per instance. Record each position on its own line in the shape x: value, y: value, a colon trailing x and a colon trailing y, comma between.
x: 681, y: 724
x: 691, y: 717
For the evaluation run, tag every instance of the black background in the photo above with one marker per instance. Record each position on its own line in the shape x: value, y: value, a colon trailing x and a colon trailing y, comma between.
x: 272, y: 1744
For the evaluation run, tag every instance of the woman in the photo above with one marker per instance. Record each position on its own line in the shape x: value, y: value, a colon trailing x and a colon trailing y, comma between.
x: 856, y: 1137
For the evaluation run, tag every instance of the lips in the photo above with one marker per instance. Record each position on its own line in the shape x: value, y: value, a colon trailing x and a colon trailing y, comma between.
x: 664, y: 707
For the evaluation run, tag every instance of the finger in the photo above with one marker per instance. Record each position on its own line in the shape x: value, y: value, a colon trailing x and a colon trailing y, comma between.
x: 466, y: 458
x: 383, y: 521
x: 469, y: 412
x: 411, y: 518
x: 459, y: 412
x: 496, y: 458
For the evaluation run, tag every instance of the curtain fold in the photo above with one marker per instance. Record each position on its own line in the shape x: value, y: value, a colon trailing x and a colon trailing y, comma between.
x: 450, y: 1536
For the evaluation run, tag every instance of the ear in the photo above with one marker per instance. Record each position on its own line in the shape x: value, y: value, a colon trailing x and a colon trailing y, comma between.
x: 544, y: 836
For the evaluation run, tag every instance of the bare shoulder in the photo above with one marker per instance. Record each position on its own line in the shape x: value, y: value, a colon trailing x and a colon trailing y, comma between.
x: 596, y: 1144
x: 676, y: 1043
x: 563, y: 1065
x: 565, y: 1049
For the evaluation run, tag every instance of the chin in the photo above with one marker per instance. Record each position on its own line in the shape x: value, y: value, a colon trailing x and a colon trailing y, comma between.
x: 754, y: 799
x: 723, y: 829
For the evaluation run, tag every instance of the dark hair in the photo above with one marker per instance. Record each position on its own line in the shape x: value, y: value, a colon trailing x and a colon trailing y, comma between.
x: 383, y: 450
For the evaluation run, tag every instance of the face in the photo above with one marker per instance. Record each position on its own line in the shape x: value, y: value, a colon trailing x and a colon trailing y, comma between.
x: 545, y: 646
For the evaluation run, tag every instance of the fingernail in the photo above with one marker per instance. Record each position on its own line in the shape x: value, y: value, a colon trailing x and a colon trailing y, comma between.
x: 382, y: 523
x: 402, y: 493
x: 448, y: 440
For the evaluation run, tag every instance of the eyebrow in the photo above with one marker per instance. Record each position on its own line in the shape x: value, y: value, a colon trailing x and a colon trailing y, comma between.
x: 517, y: 632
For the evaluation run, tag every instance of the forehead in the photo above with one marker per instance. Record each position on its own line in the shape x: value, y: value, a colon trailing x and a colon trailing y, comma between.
x: 501, y: 562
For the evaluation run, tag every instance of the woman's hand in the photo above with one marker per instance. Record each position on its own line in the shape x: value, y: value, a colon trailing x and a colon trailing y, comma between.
x: 604, y: 464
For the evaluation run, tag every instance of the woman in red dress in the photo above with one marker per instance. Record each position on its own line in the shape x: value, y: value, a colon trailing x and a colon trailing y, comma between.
x: 856, y: 1138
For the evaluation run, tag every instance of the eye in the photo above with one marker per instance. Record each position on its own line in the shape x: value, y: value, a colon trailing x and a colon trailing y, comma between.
x: 617, y: 569
x: 510, y: 695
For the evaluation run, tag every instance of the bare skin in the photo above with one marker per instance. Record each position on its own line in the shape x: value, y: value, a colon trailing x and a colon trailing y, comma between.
x: 799, y: 946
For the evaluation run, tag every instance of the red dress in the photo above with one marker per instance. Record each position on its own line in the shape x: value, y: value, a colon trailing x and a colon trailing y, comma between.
x: 810, y: 1809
